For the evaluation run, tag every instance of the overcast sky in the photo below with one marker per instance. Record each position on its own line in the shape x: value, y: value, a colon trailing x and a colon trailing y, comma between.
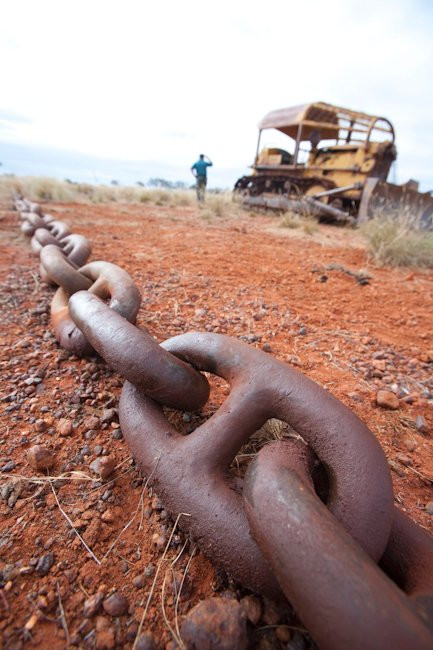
x: 165, y: 81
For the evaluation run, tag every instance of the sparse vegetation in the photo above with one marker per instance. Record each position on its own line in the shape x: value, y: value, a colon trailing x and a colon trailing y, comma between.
x: 398, y: 241
x: 290, y: 219
x: 51, y: 189
x: 218, y: 204
x: 305, y: 220
x: 310, y: 224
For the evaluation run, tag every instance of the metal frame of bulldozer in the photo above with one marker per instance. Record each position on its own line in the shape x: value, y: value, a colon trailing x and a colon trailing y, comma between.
x: 349, y: 130
x: 334, y: 122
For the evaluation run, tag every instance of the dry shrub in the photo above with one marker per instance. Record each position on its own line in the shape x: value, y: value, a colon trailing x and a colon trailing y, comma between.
x: 38, y: 189
x: 398, y: 241
x: 221, y: 204
x: 290, y: 219
x: 310, y: 224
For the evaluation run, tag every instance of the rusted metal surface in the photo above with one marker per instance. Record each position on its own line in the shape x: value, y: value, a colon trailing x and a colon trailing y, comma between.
x: 76, y: 248
x: 408, y: 560
x: 340, y: 594
x: 60, y: 271
x: 137, y: 356
x: 32, y: 222
x: 103, y: 279
x: 59, y: 229
x: 66, y: 332
x: 191, y: 473
x: 60, y: 267
x: 387, y: 200
x: 41, y: 238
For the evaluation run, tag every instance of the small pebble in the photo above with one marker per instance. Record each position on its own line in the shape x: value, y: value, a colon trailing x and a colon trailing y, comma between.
x: 104, y: 466
x: 45, y: 562
x: 139, y: 581
x: 409, y: 444
x: 429, y: 507
x: 146, y: 642
x: 149, y: 570
x: 64, y: 427
x: 386, y: 399
x: 216, y: 624
x: 404, y: 460
x: 421, y: 424
x: 108, y: 516
x: 93, y: 604
x: 40, y: 457
x: 8, y: 467
x: 91, y: 422
x: 108, y: 415
x: 252, y: 607
x: 115, y: 604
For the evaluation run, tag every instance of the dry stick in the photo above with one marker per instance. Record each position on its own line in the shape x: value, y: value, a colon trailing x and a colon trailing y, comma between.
x: 180, y: 553
x: 165, y: 617
x: 152, y: 589
x: 36, y: 281
x: 62, y: 615
x: 125, y: 527
x: 89, y: 550
x: 5, y: 602
x: 39, y: 480
x: 425, y: 478
x: 140, y: 501
x: 176, y: 606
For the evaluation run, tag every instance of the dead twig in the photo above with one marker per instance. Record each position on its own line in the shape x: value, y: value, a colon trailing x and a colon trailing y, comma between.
x: 173, y: 632
x: 176, y: 605
x: 62, y: 615
x: 158, y: 569
x: 88, y: 549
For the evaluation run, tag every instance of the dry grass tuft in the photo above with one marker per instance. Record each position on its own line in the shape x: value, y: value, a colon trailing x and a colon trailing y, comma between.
x: 398, y: 241
x: 304, y: 220
x: 290, y: 219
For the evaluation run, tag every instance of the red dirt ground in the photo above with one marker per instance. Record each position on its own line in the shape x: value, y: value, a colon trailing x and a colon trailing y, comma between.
x: 240, y: 276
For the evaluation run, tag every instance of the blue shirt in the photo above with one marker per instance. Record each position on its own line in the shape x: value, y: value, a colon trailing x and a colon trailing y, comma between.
x: 200, y: 167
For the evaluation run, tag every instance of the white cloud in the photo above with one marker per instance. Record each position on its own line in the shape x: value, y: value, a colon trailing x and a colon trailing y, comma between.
x: 165, y: 81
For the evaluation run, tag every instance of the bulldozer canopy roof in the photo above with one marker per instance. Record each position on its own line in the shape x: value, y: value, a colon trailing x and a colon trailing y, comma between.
x: 329, y: 120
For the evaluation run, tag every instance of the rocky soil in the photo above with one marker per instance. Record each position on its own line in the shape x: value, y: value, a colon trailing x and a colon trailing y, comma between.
x: 87, y: 550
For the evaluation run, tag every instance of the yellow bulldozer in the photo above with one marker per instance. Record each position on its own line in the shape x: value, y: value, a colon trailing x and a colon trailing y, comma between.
x: 337, y: 167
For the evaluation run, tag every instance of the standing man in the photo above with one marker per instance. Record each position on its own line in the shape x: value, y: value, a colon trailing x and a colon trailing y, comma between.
x: 199, y: 170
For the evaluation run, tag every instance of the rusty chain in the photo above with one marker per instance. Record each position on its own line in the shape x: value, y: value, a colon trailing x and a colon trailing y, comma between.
x: 316, y: 521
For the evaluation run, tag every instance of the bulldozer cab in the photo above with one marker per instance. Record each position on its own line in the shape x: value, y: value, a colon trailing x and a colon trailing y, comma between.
x: 343, y: 145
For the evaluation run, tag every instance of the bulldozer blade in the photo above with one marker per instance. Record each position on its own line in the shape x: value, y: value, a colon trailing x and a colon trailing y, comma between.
x: 383, y: 199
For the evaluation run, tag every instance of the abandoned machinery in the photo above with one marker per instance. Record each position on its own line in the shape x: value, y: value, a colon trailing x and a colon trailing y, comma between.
x: 338, y: 169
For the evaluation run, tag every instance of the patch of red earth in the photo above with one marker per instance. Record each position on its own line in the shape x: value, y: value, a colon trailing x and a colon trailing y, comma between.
x: 234, y: 275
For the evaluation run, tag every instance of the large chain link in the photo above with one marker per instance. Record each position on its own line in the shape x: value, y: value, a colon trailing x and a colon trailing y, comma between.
x: 322, y: 553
